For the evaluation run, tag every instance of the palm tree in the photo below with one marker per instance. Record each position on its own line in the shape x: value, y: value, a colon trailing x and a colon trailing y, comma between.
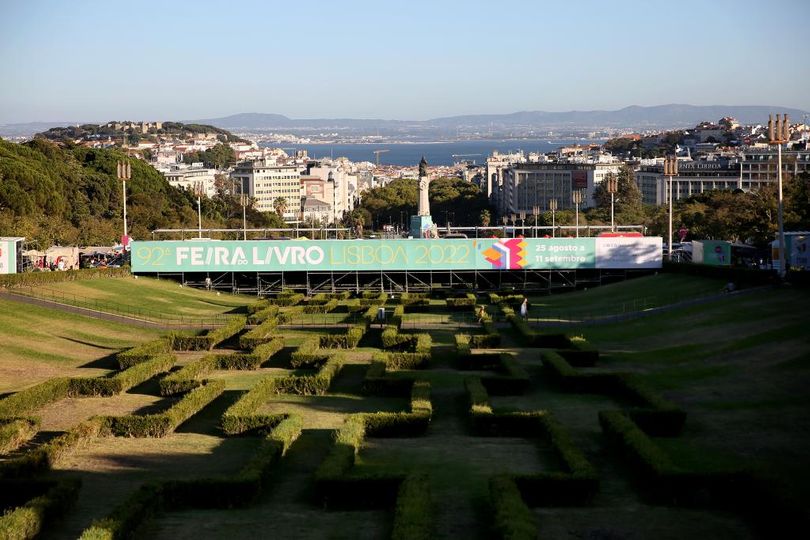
x: 280, y: 206
x: 485, y: 218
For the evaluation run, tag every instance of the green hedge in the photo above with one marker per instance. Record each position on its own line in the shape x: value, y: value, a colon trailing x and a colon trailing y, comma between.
x: 209, y: 340
x: 51, y: 453
x: 162, y: 424
x: 512, y: 519
x: 124, y: 521
x: 252, y: 360
x: 403, y: 424
x: 286, y: 299
x: 515, y: 378
x: 462, y: 303
x: 654, y: 414
x: 308, y: 353
x: 485, y: 341
x: 32, y: 279
x: 636, y: 444
x: 258, y: 306
x: 17, y: 432
x: 260, y: 334
x: 245, y: 486
x: 401, y: 360
x: 34, y: 397
x: 581, y: 353
x: 530, y: 338
x: 463, y: 345
x: 189, y: 376
x: 123, y: 380
x: 414, y: 510
x: 321, y: 308
x: 261, y: 315
x: 29, y: 520
x: 242, y: 417
x: 143, y: 352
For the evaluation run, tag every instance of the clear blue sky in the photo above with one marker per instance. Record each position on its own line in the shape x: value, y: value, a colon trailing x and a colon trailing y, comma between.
x: 101, y: 60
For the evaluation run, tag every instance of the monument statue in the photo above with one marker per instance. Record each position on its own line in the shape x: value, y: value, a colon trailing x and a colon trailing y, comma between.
x: 423, y: 208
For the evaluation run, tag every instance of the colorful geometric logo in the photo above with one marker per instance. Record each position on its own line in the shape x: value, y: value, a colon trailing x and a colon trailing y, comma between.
x: 507, y: 254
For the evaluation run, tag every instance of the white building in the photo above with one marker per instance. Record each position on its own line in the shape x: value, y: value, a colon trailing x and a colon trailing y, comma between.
x: 193, y: 178
x: 693, y: 177
x: 266, y: 181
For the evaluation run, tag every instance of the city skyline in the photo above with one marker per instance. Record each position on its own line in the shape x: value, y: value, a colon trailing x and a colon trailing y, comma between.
x: 411, y: 61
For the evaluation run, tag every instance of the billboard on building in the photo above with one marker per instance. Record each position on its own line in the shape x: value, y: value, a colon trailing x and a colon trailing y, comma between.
x: 8, y: 254
x: 579, y: 179
x: 395, y: 255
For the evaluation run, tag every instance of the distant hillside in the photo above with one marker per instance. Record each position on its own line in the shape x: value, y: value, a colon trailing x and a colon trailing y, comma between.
x: 71, y: 196
x: 134, y: 133
x: 633, y: 117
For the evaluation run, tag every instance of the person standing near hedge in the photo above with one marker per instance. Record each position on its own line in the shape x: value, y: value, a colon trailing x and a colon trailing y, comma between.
x: 524, y: 309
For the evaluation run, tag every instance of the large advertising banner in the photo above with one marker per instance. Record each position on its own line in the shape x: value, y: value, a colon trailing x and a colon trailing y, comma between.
x: 378, y: 255
x: 619, y: 252
x: 8, y: 257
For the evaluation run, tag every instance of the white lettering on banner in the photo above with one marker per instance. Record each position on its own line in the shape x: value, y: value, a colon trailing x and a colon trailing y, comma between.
x: 181, y: 254
x: 315, y: 255
x: 220, y: 255
x: 197, y: 256
x: 298, y: 255
x: 239, y: 257
x: 282, y: 259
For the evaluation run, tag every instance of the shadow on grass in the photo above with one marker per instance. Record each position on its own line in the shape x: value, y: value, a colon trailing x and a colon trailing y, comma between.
x: 106, y: 362
x: 207, y: 421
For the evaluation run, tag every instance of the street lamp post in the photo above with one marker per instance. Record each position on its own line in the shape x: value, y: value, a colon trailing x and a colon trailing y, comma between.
x: 778, y: 134
x: 535, y: 213
x: 243, y: 198
x: 504, y: 219
x: 670, y: 170
x: 577, y: 198
x: 612, y: 188
x: 523, y: 222
x: 198, y: 191
x: 552, y: 205
x: 124, y: 174
x: 514, y: 225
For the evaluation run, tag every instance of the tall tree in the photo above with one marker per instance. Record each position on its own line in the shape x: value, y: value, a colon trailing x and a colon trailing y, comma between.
x: 280, y: 206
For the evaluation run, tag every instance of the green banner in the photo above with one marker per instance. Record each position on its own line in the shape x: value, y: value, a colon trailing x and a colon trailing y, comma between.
x: 365, y: 255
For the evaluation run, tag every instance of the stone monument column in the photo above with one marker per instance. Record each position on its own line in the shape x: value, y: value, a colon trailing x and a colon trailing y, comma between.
x: 423, y: 209
x: 421, y: 223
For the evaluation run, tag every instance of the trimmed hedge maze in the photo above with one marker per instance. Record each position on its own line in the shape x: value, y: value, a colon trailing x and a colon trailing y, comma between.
x: 260, y: 382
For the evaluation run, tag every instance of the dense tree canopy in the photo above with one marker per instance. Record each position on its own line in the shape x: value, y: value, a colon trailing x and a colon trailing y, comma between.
x: 218, y: 157
x: 71, y: 196
x: 450, y: 198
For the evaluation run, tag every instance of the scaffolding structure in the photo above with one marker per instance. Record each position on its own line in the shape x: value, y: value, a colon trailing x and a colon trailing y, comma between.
x: 396, y: 282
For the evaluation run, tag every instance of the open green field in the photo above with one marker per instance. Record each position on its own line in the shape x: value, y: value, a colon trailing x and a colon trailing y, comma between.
x: 144, y: 297
x: 738, y: 365
x: 38, y: 343
x: 626, y: 296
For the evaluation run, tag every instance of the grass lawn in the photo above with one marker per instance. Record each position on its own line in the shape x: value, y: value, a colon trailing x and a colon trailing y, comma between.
x: 739, y: 365
x: 38, y: 343
x: 147, y: 297
x: 627, y: 296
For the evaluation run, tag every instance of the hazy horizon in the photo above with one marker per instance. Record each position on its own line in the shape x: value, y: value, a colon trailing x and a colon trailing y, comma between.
x: 95, y: 61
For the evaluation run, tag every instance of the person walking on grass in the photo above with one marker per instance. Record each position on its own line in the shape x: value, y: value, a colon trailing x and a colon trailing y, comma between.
x: 481, y: 314
x: 524, y: 309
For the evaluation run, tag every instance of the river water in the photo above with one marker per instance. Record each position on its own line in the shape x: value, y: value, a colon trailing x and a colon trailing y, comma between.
x: 438, y: 153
